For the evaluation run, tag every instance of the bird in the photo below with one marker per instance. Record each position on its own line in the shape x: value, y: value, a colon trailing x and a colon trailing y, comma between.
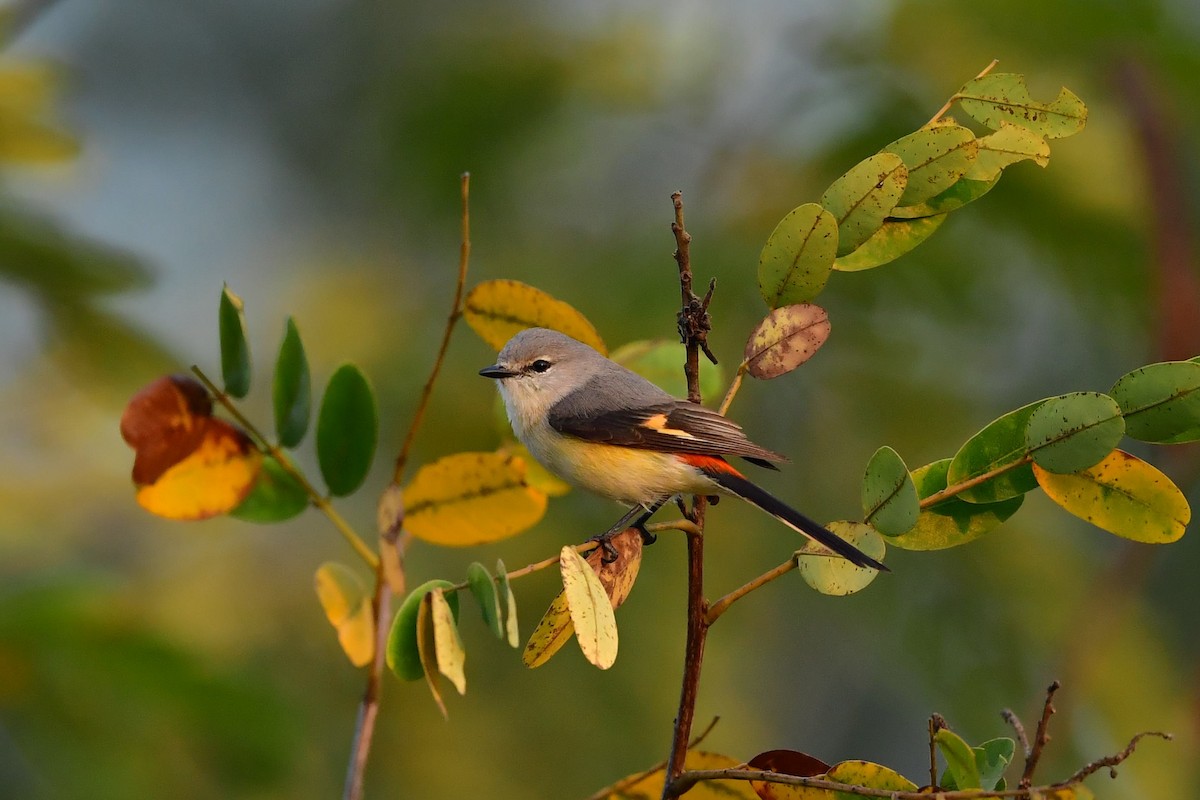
x: 604, y: 428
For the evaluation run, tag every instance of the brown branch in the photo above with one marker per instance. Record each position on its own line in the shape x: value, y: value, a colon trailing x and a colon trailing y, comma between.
x: 1019, y: 729
x: 464, y: 258
x: 694, y: 324
x: 936, y: 723
x: 1112, y: 761
x: 1040, y: 738
x: 721, y: 606
x: 368, y: 708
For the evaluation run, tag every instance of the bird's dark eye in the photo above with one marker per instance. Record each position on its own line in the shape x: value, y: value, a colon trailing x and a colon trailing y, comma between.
x: 541, y: 365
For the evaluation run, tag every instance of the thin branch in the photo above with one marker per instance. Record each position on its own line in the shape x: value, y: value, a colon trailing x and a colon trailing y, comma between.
x: 734, y: 385
x: 685, y: 525
x: 721, y: 606
x: 936, y: 723
x: 368, y: 708
x: 694, y: 324
x: 1112, y: 761
x: 942, y: 111
x: 1040, y: 738
x: 464, y: 258
x: 316, y: 498
x: 1022, y: 738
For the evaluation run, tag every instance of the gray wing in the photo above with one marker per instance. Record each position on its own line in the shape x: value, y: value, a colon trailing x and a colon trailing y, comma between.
x: 653, y: 420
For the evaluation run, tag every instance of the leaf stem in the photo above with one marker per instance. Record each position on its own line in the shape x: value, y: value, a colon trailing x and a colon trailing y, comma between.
x: 959, y: 488
x: 316, y: 498
x: 942, y: 111
x: 734, y: 385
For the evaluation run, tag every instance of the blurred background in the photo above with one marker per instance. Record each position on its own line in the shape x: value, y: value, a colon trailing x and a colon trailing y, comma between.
x: 307, y: 152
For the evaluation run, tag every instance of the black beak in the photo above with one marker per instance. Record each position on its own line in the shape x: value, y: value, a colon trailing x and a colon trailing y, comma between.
x: 497, y: 371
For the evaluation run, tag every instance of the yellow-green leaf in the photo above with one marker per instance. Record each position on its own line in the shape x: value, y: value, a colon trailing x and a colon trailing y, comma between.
x: 870, y: 775
x: 862, y: 198
x: 471, y: 498
x: 834, y: 575
x: 960, y: 194
x: 403, y: 651
x: 348, y: 608
x: 794, y: 264
x: 1006, y: 147
x: 951, y: 522
x: 649, y: 786
x: 895, y: 238
x: 591, y: 610
x: 499, y: 309
x: 427, y: 651
x: 785, y: 339
x: 451, y: 658
x: 553, y: 630
x: 480, y: 582
x: 512, y: 633
x: 935, y: 159
x: 1003, y: 97
x: 1122, y: 495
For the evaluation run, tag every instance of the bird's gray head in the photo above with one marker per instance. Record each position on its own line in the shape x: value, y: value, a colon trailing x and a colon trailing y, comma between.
x: 542, y: 366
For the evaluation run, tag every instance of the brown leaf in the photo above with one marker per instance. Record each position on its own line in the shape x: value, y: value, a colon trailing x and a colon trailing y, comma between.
x: 164, y: 423
x: 785, y: 339
x: 617, y: 576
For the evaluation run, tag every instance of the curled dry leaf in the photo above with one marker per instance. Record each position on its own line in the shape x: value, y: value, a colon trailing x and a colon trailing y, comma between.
x: 188, y: 465
x: 785, y: 339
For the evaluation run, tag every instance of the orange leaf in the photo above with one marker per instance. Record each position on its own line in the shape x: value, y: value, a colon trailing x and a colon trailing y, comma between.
x: 188, y: 465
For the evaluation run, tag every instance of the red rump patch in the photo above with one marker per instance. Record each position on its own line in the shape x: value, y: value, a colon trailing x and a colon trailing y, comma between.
x: 709, y: 463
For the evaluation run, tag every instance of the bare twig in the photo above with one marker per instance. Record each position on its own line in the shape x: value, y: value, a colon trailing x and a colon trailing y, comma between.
x: 936, y: 723
x: 368, y: 708
x: 1022, y: 738
x: 942, y: 111
x: 694, y: 324
x: 1112, y: 761
x: 734, y: 385
x: 1040, y: 738
x: 721, y: 606
x: 464, y: 258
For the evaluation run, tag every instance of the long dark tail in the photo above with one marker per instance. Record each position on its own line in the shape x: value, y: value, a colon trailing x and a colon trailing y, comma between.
x: 732, y: 481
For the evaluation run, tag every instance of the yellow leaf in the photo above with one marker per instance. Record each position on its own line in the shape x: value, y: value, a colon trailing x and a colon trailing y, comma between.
x: 27, y: 88
x: 617, y: 577
x: 426, y: 649
x: 28, y: 141
x: 591, y: 610
x: 471, y: 498
x: 834, y: 575
x: 651, y: 785
x: 348, y: 609
x: 866, y: 773
x: 1122, y: 495
x: 551, y: 633
x: 451, y: 658
x: 497, y: 310
x: 211, y: 480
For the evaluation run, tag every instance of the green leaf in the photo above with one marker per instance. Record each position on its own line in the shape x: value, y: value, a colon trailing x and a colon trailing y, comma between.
x: 862, y: 198
x: 834, y: 575
x: 935, y: 159
x: 785, y: 339
x: 961, y: 768
x: 957, y: 196
x: 591, y: 611
x: 1003, y: 97
x: 895, y: 238
x: 889, y: 497
x: 484, y: 589
x: 1000, y: 445
x: 235, y: 351
x: 951, y: 522
x: 347, y: 428
x: 403, y: 654
x: 291, y: 392
x: 508, y: 601
x: 1074, y: 431
x: 992, y: 759
x: 276, y: 495
x: 1122, y: 495
x: 1161, y: 402
x: 1006, y: 147
x: 796, y: 260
